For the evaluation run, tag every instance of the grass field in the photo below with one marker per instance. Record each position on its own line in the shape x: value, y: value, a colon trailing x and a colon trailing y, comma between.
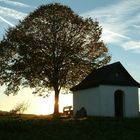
x: 47, y: 128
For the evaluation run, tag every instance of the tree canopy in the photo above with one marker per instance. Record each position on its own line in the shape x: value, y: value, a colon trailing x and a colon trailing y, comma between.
x: 51, y: 48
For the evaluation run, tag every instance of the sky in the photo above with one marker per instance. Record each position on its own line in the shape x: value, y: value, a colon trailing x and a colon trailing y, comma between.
x: 120, y: 20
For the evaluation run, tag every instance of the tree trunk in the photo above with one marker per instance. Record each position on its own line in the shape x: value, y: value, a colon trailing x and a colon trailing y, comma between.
x: 56, y: 103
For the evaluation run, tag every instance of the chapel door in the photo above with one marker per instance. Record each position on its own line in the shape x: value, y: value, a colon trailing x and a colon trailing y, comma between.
x: 119, y: 103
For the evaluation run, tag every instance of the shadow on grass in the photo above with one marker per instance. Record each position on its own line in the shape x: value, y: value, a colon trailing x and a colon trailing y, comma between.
x: 68, y: 128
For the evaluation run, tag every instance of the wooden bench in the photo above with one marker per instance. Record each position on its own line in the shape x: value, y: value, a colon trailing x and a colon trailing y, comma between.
x: 68, y: 110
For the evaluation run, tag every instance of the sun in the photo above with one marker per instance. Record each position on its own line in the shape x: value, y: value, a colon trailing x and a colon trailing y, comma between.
x: 37, y: 105
x: 45, y: 106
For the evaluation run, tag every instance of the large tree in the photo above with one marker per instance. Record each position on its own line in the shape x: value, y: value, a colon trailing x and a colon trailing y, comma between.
x: 51, y: 48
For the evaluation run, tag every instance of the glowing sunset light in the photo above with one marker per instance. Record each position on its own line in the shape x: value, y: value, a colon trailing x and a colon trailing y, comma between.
x: 37, y: 105
x: 43, y: 106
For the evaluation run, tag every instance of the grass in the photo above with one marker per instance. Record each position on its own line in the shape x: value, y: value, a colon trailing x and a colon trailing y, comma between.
x: 46, y: 128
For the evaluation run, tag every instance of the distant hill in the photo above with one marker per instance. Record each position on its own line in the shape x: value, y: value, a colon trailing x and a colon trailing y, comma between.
x: 4, y: 112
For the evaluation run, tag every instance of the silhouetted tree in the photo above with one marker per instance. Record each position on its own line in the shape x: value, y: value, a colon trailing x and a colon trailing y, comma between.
x: 19, y: 108
x: 51, y: 48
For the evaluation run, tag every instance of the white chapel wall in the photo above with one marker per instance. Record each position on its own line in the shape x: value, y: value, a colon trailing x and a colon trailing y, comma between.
x: 89, y: 99
x: 131, y: 104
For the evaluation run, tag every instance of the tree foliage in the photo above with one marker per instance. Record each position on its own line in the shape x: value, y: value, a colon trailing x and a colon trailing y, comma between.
x: 51, y: 48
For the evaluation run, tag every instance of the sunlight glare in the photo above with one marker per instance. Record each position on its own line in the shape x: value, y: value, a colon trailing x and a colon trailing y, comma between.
x: 37, y: 105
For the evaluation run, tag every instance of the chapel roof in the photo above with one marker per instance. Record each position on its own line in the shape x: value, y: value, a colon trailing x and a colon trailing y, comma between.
x: 112, y: 74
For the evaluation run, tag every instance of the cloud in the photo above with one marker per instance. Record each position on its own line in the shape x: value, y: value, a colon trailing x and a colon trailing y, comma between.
x: 136, y: 26
x: 132, y: 45
x: 6, y: 21
x: 11, y: 12
x: 9, y: 17
x: 15, y: 3
x: 110, y: 36
x: 120, y: 22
